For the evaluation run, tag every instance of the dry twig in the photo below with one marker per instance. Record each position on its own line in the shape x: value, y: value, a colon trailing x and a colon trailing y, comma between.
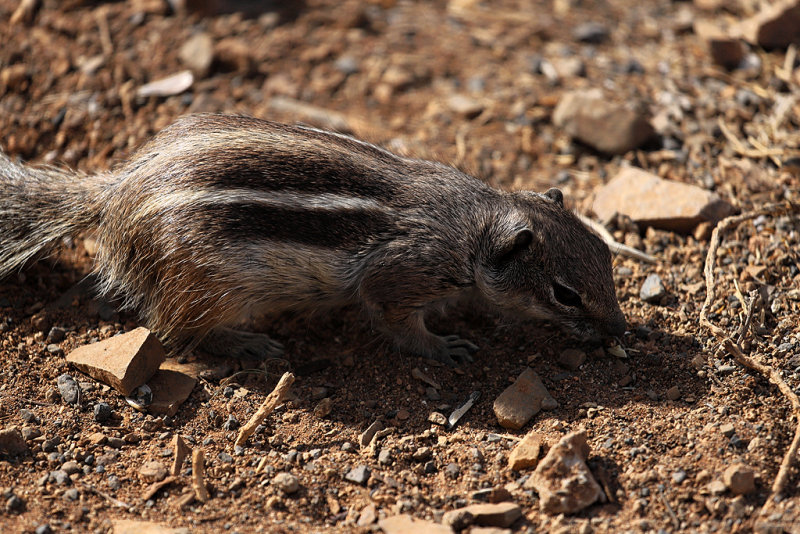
x: 735, y: 350
x: 106, y: 496
x: 615, y: 246
x: 275, y: 398
x: 199, y: 475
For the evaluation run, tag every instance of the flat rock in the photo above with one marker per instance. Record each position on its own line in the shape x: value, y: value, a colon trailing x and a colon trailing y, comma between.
x: 12, y: 442
x: 526, y: 454
x: 777, y: 25
x: 652, y: 289
x: 502, y: 514
x: 563, y: 480
x: 171, y: 387
x: 405, y: 524
x: 740, y: 479
x: 522, y: 400
x: 132, y: 526
x: 124, y: 362
x: 652, y: 201
x: 609, y: 127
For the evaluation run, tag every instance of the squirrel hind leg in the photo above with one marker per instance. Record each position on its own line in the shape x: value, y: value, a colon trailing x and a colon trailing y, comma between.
x: 227, y: 342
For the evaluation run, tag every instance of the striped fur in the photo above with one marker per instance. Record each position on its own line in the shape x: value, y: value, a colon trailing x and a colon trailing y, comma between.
x: 218, y: 217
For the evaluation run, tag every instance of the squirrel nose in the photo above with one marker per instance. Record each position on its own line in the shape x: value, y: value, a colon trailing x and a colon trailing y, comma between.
x: 617, y: 326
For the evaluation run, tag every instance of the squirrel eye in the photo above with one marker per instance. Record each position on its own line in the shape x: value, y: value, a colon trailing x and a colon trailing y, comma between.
x: 566, y: 296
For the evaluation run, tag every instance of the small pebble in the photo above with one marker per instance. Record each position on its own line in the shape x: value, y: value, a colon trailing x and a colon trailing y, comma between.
x: 68, y: 388
x: 102, y: 412
x: 71, y: 495
x: 358, y: 475
x: 71, y: 467
x: 286, y: 482
x: 14, y: 504
x: 231, y: 423
x: 114, y: 482
x: 385, y: 457
x: 56, y: 335
x: 28, y: 416
x: 60, y: 477
x: 652, y: 289
x: 452, y: 470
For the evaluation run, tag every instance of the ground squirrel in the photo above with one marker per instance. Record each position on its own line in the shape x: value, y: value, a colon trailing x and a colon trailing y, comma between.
x: 219, y: 217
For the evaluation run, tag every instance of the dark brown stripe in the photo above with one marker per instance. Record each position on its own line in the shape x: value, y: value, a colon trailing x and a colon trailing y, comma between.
x: 341, y: 229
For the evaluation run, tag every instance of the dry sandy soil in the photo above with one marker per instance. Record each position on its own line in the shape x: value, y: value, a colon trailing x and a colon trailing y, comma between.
x: 386, y: 70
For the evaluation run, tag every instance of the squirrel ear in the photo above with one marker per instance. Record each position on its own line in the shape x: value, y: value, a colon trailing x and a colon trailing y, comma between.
x: 555, y: 195
x: 515, y: 244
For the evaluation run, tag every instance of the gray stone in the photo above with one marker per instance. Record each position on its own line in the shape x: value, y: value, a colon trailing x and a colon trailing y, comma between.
x: 69, y: 389
x: 385, y: 457
x: 652, y: 289
x: 102, y: 412
x: 358, y: 475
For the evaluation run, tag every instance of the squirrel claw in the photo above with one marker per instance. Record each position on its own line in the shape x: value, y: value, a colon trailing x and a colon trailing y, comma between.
x: 456, y: 351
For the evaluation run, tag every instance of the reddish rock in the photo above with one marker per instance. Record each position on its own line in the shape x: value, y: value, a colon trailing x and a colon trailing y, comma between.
x: 610, y: 127
x: 522, y: 400
x: 502, y: 514
x: 652, y: 201
x: 171, y: 387
x: 526, y: 454
x: 12, y: 442
x: 124, y: 362
x: 740, y: 479
x: 563, y: 480
x: 153, y: 471
x: 405, y: 524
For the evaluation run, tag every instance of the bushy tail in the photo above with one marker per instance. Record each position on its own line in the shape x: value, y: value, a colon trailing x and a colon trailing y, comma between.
x: 41, y: 205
